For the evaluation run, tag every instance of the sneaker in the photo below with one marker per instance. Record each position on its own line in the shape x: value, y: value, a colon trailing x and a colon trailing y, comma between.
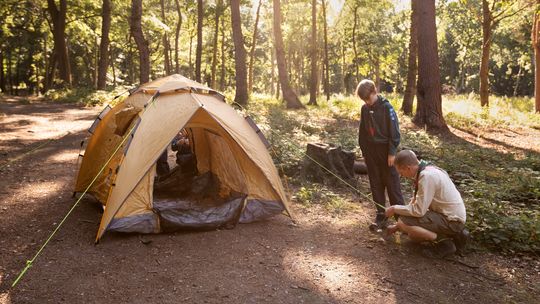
x: 439, y: 250
x: 380, y: 222
x: 461, y: 239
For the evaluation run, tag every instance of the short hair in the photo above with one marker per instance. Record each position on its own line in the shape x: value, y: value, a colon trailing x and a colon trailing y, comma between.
x: 406, y: 158
x: 365, y: 88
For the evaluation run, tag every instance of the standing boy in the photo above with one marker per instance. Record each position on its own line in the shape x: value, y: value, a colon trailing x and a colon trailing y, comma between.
x: 379, y: 138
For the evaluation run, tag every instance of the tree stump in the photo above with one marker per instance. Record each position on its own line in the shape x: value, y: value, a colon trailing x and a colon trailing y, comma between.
x: 331, y: 157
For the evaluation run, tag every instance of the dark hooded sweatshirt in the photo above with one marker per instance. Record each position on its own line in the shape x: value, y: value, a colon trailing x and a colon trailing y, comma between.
x: 379, y: 125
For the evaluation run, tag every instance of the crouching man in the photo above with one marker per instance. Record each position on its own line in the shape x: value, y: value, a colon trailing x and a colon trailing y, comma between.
x: 436, y: 214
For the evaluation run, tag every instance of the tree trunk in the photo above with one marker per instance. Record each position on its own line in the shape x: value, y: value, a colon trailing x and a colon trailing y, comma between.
x: 429, y: 110
x: 222, y: 76
x: 377, y: 65
x: 142, y: 44
x: 166, y: 47
x: 289, y: 96
x: 410, y: 90
x: 190, y: 61
x: 326, y: 63
x: 9, y: 74
x: 112, y: 67
x: 2, y: 76
x: 241, y: 96
x: 314, y: 69
x: 518, y: 78
x: 343, y: 69
x: 536, y: 46
x: 92, y: 67
x: 104, y: 45
x: 198, y: 55
x: 252, y: 51
x: 58, y: 17
x: 273, y: 72
x: 213, y: 77
x: 355, y: 59
x: 177, y: 37
x: 17, y: 69
x: 486, y: 45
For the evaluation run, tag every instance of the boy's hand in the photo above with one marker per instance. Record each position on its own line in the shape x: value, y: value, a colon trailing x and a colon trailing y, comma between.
x: 391, y: 159
x: 390, y: 211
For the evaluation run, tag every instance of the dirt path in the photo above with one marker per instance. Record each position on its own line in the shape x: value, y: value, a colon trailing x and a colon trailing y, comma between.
x: 324, y: 258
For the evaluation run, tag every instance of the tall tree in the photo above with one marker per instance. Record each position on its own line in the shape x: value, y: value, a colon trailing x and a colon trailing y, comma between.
x: 429, y: 109
x: 2, y: 76
x: 177, y: 37
x: 241, y: 96
x: 104, y: 45
x: 410, y: 89
x: 198, y: 51
x: 289, y: 96
x: 60, y: 51
x: 165, y: 39
x: 253, y: 45
x: 536, y: 47
x: 213, y: 77
x: 326, y: 61
x: 142, y: 44
x: 314, y: 47
x: 222, y: 74
x: 491, y: 16
x: 355, y: 50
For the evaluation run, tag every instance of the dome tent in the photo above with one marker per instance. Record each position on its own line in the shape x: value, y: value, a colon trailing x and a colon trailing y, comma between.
x: 226, y: 146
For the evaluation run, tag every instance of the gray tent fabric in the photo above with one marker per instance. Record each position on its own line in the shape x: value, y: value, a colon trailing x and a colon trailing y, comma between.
x: 142, y: 223
x: 257, y: 210
x: 185, y: 215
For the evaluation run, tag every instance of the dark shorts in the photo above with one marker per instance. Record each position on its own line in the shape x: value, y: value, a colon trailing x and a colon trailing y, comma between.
x: 434, y: 222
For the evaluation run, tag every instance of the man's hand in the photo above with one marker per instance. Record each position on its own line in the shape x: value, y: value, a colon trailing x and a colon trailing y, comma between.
x: 391, y: 159
x: 390, y: 211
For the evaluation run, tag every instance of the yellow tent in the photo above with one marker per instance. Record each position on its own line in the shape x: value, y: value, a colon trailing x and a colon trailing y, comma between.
x: 226, y: 147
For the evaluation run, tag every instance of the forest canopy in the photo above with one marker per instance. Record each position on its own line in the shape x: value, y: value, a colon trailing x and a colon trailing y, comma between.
x: 355, y: 39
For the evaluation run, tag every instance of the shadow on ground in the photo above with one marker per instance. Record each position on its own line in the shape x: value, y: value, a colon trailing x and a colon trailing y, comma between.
x: 324, y: 259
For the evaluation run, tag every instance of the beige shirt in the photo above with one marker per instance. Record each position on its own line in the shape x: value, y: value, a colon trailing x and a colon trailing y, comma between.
x: 436, y: 192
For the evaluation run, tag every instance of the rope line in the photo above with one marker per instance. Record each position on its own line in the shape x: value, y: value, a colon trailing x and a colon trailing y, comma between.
x: 319, y: 164
x: 18, y: 157
x: 334, y: 174
x: 30, y: 262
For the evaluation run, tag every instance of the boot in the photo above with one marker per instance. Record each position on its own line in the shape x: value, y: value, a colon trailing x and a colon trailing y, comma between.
x: 380, y: 222
x: 461, y: 239
x: 438, y: 250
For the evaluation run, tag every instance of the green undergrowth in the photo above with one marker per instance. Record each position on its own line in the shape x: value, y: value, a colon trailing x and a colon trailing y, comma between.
x: 86, y: 96
x: 501, y: 190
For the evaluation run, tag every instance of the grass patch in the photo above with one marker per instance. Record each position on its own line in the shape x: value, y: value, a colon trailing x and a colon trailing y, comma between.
x: 464, y: 111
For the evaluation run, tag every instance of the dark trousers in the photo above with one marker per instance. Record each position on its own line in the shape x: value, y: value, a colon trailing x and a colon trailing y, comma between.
x: 382, y: 177
x: 162, y: 166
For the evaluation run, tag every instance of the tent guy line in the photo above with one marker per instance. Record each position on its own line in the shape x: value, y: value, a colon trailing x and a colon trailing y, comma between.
x: 30, y: 262
x: 318, y: 164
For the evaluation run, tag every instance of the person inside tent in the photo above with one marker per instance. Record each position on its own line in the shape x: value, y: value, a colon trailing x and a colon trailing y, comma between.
x: 436, y: 214
x: 162, y: 165
x: 179, y: 179
x: 184, y: 156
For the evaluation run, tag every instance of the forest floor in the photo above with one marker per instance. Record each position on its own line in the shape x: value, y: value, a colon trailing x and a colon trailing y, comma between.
x: 325, y: 257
